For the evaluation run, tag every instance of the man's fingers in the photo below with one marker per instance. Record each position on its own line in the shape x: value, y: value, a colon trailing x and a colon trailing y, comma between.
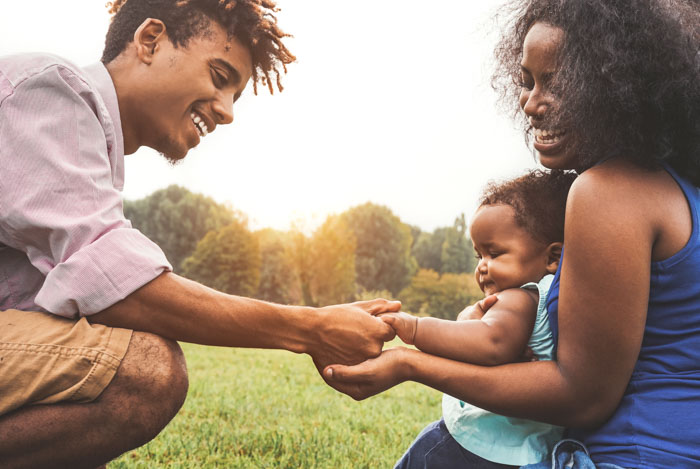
x: 389, y: 332
x: 388, y: 318
x: 380, y: 305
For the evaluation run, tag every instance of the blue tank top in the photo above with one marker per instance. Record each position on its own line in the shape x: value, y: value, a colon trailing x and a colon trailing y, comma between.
x: 657, y: 424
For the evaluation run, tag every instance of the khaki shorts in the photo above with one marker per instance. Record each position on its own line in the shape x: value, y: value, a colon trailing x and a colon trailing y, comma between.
x: 45, y: 359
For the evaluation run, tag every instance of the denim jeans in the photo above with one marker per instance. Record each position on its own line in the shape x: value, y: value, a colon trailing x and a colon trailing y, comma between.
x: 570, y: 454
x: 435, y: 448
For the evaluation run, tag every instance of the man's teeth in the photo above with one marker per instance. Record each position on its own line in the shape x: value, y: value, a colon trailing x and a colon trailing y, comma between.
x: 547, y: 136
x: 200, y: 125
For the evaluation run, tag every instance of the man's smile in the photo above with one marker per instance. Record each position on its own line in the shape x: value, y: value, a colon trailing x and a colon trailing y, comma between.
x: 199, y: 124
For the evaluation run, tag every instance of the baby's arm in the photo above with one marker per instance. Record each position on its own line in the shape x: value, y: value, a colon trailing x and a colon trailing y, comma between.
x: 499, y: 337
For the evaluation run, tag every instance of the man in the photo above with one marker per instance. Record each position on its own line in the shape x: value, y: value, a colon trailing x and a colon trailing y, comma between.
x: 76, y: 279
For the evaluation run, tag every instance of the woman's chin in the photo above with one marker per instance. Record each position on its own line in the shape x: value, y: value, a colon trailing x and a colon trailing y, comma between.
x: 555, y: 156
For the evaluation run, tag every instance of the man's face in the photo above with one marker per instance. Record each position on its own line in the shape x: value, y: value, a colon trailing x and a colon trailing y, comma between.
x: 190, y: 90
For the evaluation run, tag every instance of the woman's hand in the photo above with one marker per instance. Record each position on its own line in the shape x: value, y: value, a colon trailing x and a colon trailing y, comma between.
x: 369, y: 377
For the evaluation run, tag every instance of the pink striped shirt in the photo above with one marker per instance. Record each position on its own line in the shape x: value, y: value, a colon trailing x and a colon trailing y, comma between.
x: 65, y: 246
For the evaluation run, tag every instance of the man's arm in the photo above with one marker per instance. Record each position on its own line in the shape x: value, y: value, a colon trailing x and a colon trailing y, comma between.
x: 61, y: 206
x: 500, y: 336
x: 181, y: 309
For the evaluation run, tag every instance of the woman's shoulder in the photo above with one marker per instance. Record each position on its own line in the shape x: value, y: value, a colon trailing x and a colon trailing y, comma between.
x: 611, y: 173
x: 622, y: 195
x: 618, y: 183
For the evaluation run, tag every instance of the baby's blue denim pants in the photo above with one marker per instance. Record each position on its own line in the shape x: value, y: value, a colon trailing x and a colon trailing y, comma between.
x: 435, y: 448
x: 570, y: 454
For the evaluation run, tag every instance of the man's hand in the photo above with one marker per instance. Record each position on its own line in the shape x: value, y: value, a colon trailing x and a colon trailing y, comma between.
x: 351, y: 333
x: 370, y: 377
x: 403, y: 324
x: 478, y: 309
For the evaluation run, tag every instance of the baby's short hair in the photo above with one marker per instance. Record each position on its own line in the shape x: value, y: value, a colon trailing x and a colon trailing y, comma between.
x: 538, y: 199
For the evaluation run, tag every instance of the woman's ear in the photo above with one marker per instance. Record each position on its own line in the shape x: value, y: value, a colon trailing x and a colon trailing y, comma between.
x: 553, y: 257
x: 147, y: 38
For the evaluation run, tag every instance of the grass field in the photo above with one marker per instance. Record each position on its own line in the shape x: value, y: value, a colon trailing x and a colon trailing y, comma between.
x: 270, y: 409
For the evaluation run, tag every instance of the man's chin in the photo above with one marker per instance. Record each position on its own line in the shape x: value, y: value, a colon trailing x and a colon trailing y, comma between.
x: 172, y: 159
x: 174, y: 152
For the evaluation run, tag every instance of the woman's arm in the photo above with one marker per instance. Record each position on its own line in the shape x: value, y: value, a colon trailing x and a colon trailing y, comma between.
x: 614, y: 216
x: 499, y: 337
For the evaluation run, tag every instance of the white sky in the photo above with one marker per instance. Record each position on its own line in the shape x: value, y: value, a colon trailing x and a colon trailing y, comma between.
x: 389, y: 102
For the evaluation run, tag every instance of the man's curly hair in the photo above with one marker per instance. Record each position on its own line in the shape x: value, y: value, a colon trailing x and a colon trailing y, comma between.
x: 252, y: 22
x: 538, y: 199
x: 627, y: 81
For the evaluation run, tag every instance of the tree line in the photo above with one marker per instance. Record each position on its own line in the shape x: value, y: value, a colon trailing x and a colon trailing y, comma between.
x: 362, y: 253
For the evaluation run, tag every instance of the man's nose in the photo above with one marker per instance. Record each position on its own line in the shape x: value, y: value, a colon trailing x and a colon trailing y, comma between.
x: 223, y: 108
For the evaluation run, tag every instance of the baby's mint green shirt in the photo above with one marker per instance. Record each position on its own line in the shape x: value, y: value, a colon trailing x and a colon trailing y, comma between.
x: 502, y: 439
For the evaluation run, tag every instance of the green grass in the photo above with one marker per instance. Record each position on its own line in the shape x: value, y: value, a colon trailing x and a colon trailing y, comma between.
x: 270, y: 409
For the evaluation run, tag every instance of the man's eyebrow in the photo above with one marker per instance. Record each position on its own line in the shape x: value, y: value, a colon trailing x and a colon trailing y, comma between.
x: 235, y: 76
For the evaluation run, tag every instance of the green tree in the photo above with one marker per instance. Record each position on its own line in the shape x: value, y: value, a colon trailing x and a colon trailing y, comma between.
x: 457, y: 254
x: 324, y: 263
x: 441, y: 296
x: 428, y: 249
x: 278, y: 283
x: 415, y: 234
x: 227, y: 259
x: 332, y: 262
x: 446, y: 250
x: 383, y: 259
x: 176, y: 219
x: 298, y: 251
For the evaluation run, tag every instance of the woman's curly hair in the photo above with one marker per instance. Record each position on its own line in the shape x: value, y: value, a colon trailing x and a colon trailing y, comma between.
x: 252, y: 22
x: 538, y: 199
x: 627, y: 81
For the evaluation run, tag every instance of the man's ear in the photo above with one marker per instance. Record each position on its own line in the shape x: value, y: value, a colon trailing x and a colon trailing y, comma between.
x: 553, y: 257
x: 147, y: 38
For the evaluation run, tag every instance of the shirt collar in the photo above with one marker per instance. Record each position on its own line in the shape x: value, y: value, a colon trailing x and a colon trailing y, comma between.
x: 105, y: 86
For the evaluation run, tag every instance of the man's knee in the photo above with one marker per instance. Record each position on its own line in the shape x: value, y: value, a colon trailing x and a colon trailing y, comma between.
x: 150, y: 385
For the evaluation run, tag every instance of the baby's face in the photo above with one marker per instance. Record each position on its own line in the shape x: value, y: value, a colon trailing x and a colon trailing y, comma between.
x: 508, y: 256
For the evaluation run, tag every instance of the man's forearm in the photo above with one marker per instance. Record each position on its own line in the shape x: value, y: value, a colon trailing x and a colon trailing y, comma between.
x: 181, y: 309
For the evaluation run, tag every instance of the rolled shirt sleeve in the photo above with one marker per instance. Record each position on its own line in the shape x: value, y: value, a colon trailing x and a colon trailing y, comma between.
x: 58, y: 200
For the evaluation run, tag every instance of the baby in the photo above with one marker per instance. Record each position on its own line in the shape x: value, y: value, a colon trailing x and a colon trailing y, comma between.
x: 517, y: 233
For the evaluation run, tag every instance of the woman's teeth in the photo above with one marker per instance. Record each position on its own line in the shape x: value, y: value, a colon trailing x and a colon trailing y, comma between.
x: 200, y: 125
x: 547, y: 136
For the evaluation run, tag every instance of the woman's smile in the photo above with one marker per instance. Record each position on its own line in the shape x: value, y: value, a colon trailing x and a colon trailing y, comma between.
x: 548, y: 142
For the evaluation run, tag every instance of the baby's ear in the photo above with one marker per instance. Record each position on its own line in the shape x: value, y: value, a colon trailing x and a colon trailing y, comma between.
x: 553, y: 257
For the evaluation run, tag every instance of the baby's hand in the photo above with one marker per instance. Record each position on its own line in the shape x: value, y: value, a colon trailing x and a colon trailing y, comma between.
x: 477, y: 310
x: 404, y: 324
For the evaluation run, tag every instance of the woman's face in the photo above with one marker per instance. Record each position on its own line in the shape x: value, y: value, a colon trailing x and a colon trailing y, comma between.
x: 538, y: 66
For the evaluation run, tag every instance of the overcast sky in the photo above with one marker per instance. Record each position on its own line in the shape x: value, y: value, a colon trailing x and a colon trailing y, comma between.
x: 389, y: 101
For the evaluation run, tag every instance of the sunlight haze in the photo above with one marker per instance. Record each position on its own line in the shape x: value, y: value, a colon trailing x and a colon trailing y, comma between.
x: 388, y: 102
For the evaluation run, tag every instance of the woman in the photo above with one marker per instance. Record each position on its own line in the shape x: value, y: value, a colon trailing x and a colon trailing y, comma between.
x: 609, y: 89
